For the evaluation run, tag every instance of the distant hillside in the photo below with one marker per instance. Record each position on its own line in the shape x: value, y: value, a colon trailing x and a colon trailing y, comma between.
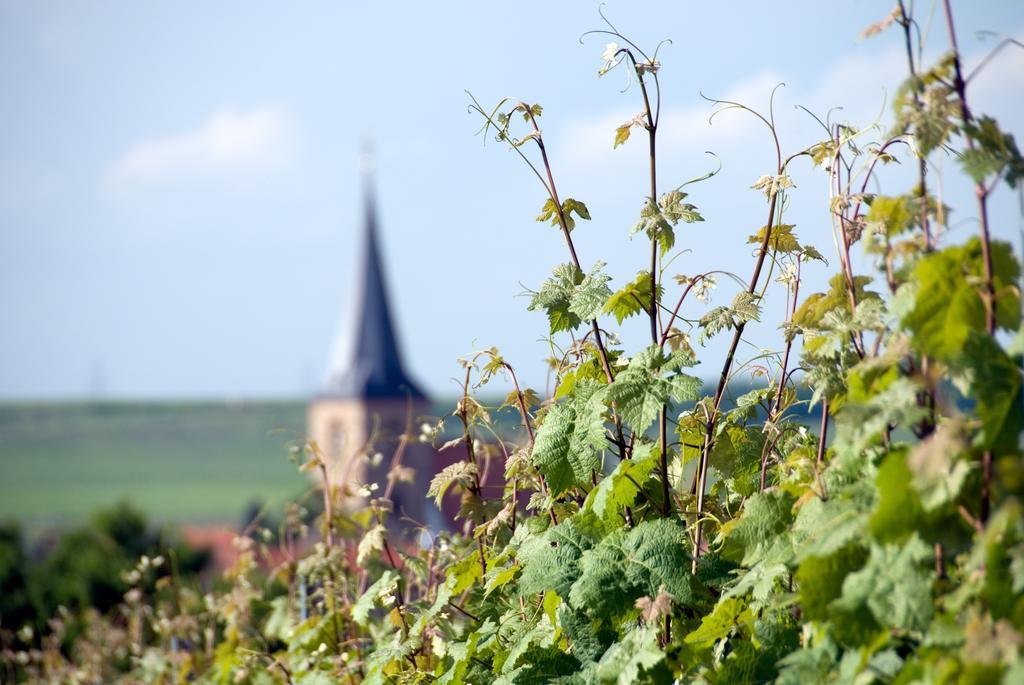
x: 178, y: 462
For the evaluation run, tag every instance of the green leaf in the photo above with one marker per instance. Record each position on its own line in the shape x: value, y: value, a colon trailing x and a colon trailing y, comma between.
x: 675, y: 210
x: 373, y: 541
x: 634, y: 298
x: 620, y: 488
x: 570, y: 207
x: 893, y: 585
x: 627, y: 662
x: 381, y: 590
x: 891, y: 215
x: 460, y: 473
x: 765, y: 516
x: 781, y: 240
x: 568, y: 443
x: 569, y: 297
x: 927, y: 107
x: 625, y: 566
x: 862, y: 423
x: 588, y: 369
x: 812, y: 664
x: 549, y: 212
x: 998, y: 390
x: 622, y: 134
x: 948, y: 304
x: 658, y: 218
x: 937, y: 466
x: 820, y: 579
x: 728, y: 615
x: 640, y: 390
x: 460, y: 653
x: 551, y: 561
x: 760, y: 582
x: 813, y: 310
x: 651, y: 221
x: 465, y: 574
x: 744, y: 308
x: 995, y: 152
x: 554, y: 297
x: 540, y: 666
x: 824, y: 526
x: 589, y: 297
x: 500, y: 578
x: 899, y: 511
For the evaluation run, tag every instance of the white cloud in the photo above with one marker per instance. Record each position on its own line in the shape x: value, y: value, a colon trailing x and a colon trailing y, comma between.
x: 858, y: 87
x: 229, y: 143
x: 858, y: 82
x: 590, y: 140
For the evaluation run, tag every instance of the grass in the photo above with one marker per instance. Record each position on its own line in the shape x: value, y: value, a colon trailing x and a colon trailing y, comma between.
x: 178, y: 462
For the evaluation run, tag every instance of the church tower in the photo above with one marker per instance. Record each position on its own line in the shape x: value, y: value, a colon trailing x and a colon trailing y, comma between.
x: 369, y: 400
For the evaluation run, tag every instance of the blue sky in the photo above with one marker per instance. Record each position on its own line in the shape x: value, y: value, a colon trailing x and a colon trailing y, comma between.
x: 179, y: 183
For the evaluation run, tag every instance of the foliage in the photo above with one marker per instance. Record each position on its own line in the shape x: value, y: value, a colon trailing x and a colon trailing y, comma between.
x: 870, y: 533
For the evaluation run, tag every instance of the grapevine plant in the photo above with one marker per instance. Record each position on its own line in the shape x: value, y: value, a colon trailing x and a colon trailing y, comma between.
x: 855, y: 518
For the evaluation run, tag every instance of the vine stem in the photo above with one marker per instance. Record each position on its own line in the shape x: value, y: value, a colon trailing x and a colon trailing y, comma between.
x: 652, y: 147
x: 922, y: 167
x: 598, y: 340
x: 844, y: 257
x: 822, y: 432
x: 563, y: 224
x: 981, y: 192
x: 723, y: 381
x: 525, y: 415
x: 777, y: 406
x: 652, y: 133
x: 467, y: 438
x: 675, y: 312
x: 927, y: 398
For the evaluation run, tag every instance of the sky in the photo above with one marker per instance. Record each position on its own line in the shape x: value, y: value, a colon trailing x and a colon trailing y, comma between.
x: 180, y: 183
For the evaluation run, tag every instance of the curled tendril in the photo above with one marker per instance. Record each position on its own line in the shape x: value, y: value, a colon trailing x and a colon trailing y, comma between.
x: 614, y: 32
x: 769, y: 121
x: 1005, y: 42
x: 657, y: 48
x: 647, y: 64
x: 502, y: 129
x: 705, y: 176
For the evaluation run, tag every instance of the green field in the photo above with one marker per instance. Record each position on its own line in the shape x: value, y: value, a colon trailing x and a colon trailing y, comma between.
x: 179, y: 462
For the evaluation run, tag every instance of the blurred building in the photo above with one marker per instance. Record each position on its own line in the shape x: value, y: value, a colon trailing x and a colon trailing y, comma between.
x: 370, y: 401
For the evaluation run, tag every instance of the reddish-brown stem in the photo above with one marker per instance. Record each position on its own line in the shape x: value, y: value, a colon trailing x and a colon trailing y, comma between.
x: 776, y: 408
x: 523, y: 413
x: 981, y: 193
x: 328, y: 502
x: 922, y: 167
x: 539, y: 140
x: 723, y: 381
x: 822, y: 432
x: 467, y: 439
x: 851, y: 288
x: 675, y: 312
x: 563, y: 224
x: 652, y: 132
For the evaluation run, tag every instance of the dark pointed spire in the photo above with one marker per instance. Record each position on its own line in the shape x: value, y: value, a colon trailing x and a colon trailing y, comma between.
x: 373, y: 367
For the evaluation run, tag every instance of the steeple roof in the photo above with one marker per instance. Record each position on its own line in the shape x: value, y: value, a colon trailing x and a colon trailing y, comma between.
x: 373, y: 367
